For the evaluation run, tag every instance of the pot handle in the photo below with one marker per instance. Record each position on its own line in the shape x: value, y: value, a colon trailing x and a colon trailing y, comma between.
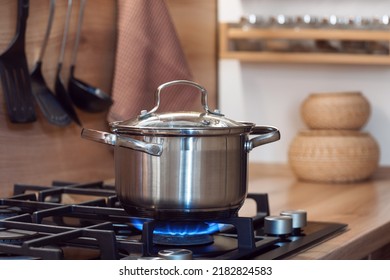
x: 146, y: 114
x: 125, y: 142
x: 268, y: 134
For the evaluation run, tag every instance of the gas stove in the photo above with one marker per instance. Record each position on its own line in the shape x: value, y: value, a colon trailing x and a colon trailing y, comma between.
x: 86, y: 221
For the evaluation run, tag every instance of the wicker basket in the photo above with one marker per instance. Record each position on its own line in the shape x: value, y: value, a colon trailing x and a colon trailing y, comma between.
x: 336, y: 110
x: 333, y: 155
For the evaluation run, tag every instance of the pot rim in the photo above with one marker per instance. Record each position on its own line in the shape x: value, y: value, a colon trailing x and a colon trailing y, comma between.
x: 244, y: 128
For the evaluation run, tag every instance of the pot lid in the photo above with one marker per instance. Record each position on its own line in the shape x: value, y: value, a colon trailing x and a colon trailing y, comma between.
x: 181, y: 123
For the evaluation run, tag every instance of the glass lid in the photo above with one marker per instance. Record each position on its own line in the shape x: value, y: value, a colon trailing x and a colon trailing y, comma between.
x: 207, y: 122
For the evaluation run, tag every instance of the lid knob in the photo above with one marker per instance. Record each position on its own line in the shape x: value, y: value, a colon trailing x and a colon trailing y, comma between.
x: 180, y: 82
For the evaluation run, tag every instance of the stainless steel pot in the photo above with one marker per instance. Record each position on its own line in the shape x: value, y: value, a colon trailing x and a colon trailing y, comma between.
x: 182, y: 165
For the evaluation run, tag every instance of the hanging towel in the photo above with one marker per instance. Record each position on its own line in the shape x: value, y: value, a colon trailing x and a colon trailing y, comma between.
x: 148, y: 54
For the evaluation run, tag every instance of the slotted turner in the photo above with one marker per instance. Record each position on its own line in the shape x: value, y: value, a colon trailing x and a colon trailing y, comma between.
x: 60, y: 90
x: 47, y: 101
x: 15, y: 76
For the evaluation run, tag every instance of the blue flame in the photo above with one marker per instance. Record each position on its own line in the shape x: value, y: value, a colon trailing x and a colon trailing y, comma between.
x: 182, y: 228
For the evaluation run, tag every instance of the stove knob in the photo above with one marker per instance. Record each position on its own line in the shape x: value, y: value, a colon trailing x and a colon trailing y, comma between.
x: 175, y: 254
x: 299, y: 218
x: 277, y: 225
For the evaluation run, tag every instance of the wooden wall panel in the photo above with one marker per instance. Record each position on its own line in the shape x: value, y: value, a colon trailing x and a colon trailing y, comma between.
x: 196, y: 24
x: 38, y: 153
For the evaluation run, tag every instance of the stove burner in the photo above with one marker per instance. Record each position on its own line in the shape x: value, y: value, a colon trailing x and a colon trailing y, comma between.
x: 9, y: 211
x: 184, y: 233
x: 186, y: 228
x: 33, y: 227
x: 182, y: 240
x: 15, y: 236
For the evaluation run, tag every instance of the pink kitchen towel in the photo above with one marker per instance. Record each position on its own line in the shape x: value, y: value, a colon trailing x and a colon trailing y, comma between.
x: 148, y: 54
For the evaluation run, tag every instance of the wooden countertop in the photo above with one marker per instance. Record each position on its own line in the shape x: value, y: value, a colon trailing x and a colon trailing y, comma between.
x: 364, y: 206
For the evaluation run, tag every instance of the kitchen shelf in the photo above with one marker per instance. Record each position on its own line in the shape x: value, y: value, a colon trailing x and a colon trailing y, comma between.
x: 230, y: 32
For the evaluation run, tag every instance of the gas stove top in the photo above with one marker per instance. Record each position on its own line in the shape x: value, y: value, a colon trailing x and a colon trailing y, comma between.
x: 42, y: 222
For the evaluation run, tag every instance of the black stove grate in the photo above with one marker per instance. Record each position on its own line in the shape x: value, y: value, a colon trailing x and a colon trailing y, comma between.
x: 44, y: 225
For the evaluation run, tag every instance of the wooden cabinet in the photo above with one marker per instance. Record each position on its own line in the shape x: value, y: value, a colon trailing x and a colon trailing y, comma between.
x: 230, y: 32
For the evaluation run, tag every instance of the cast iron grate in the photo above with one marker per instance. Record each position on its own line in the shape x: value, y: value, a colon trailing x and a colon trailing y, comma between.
x: 97, y: 227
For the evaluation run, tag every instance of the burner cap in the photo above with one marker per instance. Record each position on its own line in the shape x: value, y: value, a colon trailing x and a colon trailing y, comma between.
x: 182, y: 240
x: 7, y: 211
x: 175, y: 254
x: 15, y: 236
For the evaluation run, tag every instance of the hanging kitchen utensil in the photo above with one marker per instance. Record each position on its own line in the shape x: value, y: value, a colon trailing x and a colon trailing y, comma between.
x: 60, y: 90
x: 47, y: 101
x: 14, y: 73
x: 84, y: 96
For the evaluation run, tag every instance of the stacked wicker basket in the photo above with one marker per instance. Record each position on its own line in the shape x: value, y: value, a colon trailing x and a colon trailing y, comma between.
x: 334, y: 149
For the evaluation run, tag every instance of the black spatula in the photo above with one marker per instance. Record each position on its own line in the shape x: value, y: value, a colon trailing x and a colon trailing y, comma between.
x: 15, y: 76
x: 47, y: 101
